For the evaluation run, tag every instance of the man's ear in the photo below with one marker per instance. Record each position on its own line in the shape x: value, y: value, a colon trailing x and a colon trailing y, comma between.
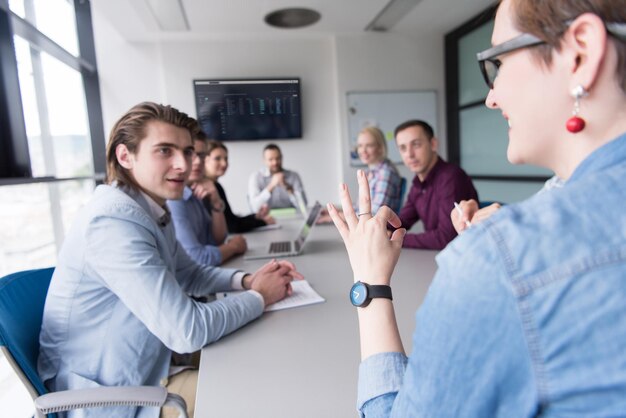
x: 124, y: 156
x: 585, y: 46
x: 434, y: 143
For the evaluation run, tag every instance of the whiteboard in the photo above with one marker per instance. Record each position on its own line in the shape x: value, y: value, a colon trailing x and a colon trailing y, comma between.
x: 386, y: 110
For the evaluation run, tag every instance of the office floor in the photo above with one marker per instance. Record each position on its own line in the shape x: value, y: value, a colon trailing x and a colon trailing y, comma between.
x: 14, y: 399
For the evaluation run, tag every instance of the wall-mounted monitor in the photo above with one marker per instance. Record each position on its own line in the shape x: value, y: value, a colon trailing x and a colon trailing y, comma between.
x: 249, y: 109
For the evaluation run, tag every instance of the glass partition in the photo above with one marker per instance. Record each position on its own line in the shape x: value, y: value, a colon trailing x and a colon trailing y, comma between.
x: 478, y: 136
x: 472, y: 88
x: 484, y: 145
x: 506, y: 192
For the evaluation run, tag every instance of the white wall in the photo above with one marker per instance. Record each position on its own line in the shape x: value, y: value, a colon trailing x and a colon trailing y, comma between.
x: 387, y: 61
x: 315, y: 156
x: 128, y: 73
x: 328, y: 67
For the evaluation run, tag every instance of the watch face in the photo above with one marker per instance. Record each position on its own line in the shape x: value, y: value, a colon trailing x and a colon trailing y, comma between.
x: 358, y: 294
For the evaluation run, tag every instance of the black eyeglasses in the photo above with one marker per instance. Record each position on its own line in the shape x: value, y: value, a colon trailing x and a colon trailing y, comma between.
x: 489, y: 64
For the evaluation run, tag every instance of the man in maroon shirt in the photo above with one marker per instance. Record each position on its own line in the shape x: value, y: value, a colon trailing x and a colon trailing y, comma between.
x: 436, y: 186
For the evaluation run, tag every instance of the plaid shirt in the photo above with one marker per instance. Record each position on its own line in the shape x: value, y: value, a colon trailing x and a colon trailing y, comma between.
x: 385, y: 186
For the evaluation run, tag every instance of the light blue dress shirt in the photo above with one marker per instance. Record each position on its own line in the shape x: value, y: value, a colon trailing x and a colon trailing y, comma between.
x: 526, y: 315
x: 193, y: 224
x: 119, y: 303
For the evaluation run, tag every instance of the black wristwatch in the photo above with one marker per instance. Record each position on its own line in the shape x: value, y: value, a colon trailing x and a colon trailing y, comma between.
x: 361, y: 293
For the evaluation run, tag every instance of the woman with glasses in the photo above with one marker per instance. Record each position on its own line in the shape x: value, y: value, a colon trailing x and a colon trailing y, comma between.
x: 527, y: 313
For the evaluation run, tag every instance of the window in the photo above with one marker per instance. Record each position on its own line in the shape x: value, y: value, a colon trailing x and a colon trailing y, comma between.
x: 50, y: 125
x: 51, y: 139
x: 478, y: 136
x: 53, y: 18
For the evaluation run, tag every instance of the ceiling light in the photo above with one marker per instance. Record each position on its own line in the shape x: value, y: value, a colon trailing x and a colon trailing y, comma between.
x: 292, y: 18
x: 391, y: 14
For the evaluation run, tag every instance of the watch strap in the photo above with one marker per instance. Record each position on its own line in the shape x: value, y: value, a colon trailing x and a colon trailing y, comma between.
x: 379, y: 291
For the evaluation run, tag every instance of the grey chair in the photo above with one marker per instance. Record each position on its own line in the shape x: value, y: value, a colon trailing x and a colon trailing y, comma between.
x: 22, y: 298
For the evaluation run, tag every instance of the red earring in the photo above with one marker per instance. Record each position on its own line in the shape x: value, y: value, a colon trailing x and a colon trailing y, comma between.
x: 576, y: 124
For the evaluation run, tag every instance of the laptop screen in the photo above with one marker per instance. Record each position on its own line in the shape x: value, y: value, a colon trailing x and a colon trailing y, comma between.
x: 310, y: 221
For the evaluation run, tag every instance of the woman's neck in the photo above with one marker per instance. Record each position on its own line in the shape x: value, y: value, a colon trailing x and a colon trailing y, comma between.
x: 375, y: 164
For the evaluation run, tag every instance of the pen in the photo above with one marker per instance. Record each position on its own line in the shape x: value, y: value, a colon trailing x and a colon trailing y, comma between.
x: 458, y: 209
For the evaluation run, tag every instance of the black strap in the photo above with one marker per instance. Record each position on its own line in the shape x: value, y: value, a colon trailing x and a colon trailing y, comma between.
x: 380, y: 291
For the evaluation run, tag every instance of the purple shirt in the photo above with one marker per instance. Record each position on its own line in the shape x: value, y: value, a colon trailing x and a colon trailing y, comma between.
x: 432, y: 201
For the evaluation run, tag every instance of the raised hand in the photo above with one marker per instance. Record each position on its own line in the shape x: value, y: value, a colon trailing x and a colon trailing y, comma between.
x: 373, y: 253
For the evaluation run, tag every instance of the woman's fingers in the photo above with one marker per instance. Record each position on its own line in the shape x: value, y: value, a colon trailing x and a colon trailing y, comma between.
x: 339, y: 222
x: 398, y: 236
x: 346, y: 204
x: 485, y: 213
x: 388, y: 216
x: 365, y: 202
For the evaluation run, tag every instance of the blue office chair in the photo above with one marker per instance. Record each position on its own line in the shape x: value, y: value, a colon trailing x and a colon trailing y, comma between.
x: 402, y: 192
x: 22, y: 298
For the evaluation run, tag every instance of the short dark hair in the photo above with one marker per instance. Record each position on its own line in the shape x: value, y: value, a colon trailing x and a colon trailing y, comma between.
x: 548, y: 20
x: 200, y: 136
x: 428, y: 130
x: 272, y: 147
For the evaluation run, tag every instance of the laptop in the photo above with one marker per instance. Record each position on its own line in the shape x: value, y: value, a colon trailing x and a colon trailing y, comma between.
x: 292, y: 247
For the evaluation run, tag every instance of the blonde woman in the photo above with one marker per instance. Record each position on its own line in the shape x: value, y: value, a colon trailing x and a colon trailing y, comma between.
x: 384, y: 179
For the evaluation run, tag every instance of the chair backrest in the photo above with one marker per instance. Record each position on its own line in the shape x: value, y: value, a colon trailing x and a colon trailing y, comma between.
x: 402, y: 192
x: 22, y: 298
x: 485, y: 203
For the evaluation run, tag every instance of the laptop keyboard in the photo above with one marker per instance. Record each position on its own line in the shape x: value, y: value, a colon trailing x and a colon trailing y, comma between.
x: 280, y: 247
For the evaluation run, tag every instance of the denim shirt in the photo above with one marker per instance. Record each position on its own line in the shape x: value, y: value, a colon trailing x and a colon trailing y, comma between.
x: 526, y: 315
x: 119, y: 303
x: 193, y: 224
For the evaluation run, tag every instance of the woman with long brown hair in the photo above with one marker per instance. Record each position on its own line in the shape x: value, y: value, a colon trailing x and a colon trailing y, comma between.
x: 215, y: 166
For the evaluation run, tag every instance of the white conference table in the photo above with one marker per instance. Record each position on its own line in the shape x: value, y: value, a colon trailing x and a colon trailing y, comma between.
x: 303, y: 362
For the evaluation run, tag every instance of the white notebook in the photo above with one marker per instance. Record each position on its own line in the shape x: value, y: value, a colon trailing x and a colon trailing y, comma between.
x: 303, y: 294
